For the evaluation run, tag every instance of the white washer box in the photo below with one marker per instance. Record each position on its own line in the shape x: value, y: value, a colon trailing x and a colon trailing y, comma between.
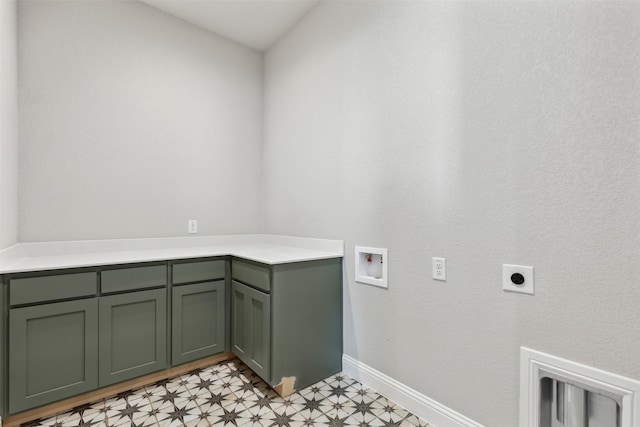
x: 372, y: 266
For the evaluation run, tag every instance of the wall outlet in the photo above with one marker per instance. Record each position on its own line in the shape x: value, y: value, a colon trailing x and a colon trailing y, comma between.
x: 517, y: 278
x: 439, y: 269
x: 192, y: 226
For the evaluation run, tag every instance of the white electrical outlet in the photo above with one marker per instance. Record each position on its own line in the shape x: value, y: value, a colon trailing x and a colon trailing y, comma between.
x: 439, y: 269
x: 192, y: 226
x: 517, y: 278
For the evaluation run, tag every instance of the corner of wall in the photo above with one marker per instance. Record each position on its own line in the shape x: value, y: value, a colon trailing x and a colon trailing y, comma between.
x: 8, y: 123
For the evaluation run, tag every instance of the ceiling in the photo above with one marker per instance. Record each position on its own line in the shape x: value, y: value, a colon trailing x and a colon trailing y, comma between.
x: 254, y: 23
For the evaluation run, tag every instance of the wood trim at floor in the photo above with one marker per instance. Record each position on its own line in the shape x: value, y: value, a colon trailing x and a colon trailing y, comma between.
x: 106, y: 392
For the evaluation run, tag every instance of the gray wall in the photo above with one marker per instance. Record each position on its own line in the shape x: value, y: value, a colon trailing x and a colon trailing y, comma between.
x: 8, y: 124
x: 132, y: 122
x: 483, y: 132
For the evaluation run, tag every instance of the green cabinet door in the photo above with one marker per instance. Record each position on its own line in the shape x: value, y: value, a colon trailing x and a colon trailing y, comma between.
x: 133, y: 335
x: 251, y: 328
x: 53, y: 352
x: 239, y: 343
x: 198, y: 321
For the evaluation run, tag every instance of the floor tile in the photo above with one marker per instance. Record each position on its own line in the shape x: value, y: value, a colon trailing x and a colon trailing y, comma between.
x: 51, y: 421
x: 200, y: 422
x: 70, y: 419
x: 134, y: 411
x: 230, y: 394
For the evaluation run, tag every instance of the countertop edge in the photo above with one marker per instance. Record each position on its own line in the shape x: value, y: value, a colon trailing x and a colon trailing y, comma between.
x: 266, y: 249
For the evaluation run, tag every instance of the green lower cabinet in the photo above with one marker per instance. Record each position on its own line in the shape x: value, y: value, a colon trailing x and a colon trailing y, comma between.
x: 198, y: 321
x: 306, y: 321
x: 133, y: 335
x: 286, y: 320
x: 53, y: 352
x: 251, y: 328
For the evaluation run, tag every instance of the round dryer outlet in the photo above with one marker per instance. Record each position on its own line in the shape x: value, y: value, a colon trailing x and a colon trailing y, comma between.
x: 517, y: 278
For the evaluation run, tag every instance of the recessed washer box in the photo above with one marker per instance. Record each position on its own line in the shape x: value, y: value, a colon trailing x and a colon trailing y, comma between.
x: 372, y: 266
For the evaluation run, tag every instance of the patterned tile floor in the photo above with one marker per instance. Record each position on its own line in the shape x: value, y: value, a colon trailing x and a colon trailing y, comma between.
x: 231, y: 394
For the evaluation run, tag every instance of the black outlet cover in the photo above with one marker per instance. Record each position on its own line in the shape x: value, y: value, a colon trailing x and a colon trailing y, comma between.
x: 517, y: 279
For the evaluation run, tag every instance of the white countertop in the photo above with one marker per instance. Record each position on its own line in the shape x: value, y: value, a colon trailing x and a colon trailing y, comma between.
x: 264, y: 248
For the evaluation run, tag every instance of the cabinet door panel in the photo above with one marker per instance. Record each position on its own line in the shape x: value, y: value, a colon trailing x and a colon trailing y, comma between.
x: 252, y: 328
x: 133, y: 335
x: 238, y: 329
x: 259, y: 332
x: 197, y: 321
x: 53, y: 352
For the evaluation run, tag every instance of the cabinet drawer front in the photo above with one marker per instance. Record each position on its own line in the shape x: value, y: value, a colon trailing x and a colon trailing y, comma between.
x: 131, y: 278
x: 198, y: 271
x: 48, y: 288
x: 251, y: 274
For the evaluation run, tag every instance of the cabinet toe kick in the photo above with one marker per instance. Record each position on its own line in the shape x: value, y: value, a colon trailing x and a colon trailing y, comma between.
x: 286, y: 387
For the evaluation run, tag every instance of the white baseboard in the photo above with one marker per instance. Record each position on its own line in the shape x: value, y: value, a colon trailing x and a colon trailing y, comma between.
x: 436, y: 414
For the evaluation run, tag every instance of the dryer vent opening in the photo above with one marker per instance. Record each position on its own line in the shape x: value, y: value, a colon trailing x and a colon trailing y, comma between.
x: 567, y: 404
x: 557, y: 392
